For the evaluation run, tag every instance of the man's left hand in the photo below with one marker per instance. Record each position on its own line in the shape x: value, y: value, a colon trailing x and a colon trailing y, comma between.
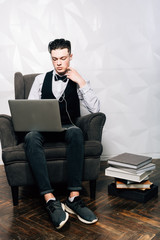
x: 75, y: 77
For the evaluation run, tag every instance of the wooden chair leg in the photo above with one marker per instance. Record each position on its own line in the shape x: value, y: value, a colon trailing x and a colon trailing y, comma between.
x: 92, y: 189
x: 14, y: 195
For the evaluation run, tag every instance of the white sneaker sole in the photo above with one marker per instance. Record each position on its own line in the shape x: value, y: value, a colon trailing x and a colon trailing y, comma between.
x: 66, y: 219
x: 69, y: 210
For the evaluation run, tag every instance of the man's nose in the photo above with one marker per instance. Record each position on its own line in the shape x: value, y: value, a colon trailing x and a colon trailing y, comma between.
x: 58, y: 62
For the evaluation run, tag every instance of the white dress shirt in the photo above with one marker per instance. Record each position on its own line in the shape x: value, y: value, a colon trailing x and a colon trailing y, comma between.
x: 85, y: 94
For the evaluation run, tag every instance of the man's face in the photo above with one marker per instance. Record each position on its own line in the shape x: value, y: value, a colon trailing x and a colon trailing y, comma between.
x: 61, y: 60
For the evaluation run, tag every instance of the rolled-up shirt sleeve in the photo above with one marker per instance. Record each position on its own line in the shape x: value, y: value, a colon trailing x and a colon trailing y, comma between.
x: 89, y: 98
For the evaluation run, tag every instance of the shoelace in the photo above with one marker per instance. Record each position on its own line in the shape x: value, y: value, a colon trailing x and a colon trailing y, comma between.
x: 80, y: 203
x: 51, y: 208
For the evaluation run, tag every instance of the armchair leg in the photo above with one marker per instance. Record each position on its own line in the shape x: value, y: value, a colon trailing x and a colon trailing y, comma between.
x: 14, y: 195
x: 92, y: 189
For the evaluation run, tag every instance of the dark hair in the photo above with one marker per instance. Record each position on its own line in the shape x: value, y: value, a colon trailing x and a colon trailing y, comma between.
x: 59, y: 44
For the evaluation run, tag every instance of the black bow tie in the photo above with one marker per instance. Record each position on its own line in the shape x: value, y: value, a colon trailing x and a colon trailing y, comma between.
x: 62, y: 78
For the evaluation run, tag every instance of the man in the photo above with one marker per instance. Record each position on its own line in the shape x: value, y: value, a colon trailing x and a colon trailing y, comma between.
x: 65, y: 84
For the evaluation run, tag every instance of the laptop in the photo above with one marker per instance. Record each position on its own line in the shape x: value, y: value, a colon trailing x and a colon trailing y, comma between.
x: 39, y: 115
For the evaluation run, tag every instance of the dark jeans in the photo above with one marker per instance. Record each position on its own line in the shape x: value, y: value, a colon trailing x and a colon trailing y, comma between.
x: 75, y: 156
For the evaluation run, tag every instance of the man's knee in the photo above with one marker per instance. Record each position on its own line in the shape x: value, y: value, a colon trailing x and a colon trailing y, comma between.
x: 74, y: 133
x: 33, y: 137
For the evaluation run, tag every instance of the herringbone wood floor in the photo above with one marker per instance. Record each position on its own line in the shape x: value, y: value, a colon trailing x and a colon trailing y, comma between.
x: 119, y: 219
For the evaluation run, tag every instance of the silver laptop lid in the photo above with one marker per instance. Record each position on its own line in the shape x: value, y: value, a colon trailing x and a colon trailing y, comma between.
x: 40, y: 115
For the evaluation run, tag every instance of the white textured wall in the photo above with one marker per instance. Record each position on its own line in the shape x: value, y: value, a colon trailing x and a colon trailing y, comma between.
x: 116, y: 44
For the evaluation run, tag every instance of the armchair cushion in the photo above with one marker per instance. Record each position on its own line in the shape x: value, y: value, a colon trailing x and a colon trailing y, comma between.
x: 53, y: 151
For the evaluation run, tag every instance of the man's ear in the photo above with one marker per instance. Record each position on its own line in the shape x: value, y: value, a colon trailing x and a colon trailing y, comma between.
x: 70, y: 57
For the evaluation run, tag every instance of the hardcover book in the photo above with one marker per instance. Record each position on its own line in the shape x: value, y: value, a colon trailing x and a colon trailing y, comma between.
x: 130, y: 160
x: 116, y: 173
x: 128, y: 181
x: 148, y: 167
x: 142, y: 185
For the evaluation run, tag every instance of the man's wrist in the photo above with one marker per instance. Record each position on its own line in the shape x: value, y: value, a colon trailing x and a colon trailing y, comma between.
x: 81, y: 83
x: 84, y: 89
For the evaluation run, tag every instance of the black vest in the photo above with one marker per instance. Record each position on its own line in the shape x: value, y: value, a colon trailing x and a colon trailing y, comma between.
x: 71, y: 97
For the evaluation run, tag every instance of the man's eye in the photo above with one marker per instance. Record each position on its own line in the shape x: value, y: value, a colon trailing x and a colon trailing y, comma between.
x: 63, y: 58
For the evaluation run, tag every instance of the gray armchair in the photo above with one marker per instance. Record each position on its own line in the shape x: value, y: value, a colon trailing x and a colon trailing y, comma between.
x: 16, y: 166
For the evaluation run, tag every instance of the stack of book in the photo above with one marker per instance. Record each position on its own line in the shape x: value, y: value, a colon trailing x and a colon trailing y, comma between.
x: 131, y: 173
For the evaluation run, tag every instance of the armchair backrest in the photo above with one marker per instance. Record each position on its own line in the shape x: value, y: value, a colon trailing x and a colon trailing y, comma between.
x: 23, y: 84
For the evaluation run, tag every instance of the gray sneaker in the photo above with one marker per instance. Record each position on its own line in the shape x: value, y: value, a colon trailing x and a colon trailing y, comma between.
x: 57, y: 214
x: 79, y: 208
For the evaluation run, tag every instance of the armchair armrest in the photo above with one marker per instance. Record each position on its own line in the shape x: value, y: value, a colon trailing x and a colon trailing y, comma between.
x: 92, y: 125
x: 7, y: 134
